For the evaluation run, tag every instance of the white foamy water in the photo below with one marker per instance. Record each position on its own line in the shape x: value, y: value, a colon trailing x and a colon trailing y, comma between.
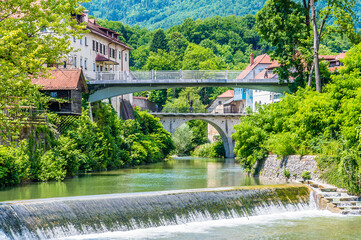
x: 203, y: 230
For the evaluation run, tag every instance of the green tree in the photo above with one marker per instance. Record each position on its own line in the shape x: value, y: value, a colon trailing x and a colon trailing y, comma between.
x: 182, y: 103
x: 200, y: 58
x: 162, y: 60
x: 291, y: 23
x: 31, y: 36
x: 159, y: 41
x: 177, y: 43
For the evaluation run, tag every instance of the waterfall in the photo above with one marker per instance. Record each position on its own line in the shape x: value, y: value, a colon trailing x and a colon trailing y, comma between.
x: 62, y: 217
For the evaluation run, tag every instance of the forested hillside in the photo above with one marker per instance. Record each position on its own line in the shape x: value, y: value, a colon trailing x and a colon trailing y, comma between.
x: 154, y: 14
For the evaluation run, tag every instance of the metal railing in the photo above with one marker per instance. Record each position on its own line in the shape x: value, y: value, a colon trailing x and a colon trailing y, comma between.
x: 169, y: 75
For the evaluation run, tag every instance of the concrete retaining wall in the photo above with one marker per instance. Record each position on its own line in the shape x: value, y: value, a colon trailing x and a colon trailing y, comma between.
x: 273, y: 167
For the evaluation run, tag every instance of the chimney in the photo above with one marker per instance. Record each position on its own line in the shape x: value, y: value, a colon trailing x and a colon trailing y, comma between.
x: 252, y: 58
x: 86, y: 17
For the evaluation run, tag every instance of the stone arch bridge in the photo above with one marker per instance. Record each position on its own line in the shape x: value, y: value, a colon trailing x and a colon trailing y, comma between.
x: 223, y: 123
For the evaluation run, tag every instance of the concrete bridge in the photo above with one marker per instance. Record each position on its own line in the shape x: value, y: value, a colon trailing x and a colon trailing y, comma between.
x: 223, y: 123
x: 105, y: 85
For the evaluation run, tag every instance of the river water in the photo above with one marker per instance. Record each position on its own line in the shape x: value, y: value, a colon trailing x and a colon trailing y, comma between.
x: 193, y: 173
x: 179, y: 173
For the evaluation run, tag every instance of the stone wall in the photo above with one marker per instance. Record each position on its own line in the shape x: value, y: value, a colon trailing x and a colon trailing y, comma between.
x: 273, y: 167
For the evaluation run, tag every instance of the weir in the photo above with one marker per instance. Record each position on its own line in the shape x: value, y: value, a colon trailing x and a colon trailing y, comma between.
x: 64, y: 217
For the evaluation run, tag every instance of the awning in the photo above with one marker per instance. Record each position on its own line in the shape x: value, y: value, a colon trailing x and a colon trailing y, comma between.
x: 103, y: 59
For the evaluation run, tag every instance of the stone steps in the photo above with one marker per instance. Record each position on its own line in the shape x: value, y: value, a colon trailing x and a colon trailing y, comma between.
x: 335, y: 199
x: 351, y: 212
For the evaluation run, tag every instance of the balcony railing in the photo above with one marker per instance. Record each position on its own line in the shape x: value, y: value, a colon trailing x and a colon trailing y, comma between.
x: 168, y: 75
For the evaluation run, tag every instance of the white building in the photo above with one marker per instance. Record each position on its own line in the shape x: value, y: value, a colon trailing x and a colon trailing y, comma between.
x: 264, y: 97
x: 99, y: 51
x: 254, y: 70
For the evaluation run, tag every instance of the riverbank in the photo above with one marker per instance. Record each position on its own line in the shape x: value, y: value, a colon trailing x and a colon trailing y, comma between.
x: 103, y: 144
x: 325, y: 124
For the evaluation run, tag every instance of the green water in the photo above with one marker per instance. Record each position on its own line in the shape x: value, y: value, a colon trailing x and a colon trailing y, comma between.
x: 180, y: 173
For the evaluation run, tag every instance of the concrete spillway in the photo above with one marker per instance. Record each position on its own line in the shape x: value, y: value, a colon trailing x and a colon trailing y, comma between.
x: 62, y: 217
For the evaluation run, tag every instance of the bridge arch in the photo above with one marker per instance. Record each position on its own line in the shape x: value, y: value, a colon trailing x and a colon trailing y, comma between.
x: 223, y: 123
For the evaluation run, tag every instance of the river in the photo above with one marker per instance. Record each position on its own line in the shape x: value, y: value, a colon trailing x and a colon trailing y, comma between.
x: 193, y: 173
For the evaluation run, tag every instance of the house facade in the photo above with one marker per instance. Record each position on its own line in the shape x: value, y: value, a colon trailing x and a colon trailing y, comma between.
x: 254, y: 69
x: 99, y: 50
x: 67, y: 85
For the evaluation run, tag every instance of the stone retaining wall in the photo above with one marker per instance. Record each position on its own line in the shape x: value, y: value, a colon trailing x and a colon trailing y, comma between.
x: 273, y: 167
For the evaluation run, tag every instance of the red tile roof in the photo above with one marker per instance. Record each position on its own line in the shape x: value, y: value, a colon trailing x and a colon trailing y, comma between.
x: 341, y: 56
x: 265, y: 74
x: 63, y: 79
x: 98, y: 30
x: 227, y: 94
x: 327, y: 57
x: 261, y: 59
x: 102, y: 58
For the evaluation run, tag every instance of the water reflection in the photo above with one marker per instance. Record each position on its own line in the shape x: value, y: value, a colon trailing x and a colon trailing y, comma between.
x: 180, y: 173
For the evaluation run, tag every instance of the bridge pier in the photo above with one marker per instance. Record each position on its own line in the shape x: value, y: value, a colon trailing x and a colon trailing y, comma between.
x: 223, y: 123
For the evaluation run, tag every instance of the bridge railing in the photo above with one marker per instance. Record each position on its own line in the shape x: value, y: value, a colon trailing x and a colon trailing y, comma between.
x: 168, y: 75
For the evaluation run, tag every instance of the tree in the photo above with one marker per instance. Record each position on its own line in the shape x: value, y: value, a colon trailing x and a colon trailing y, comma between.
x: 32, y: 34
x: 283, y: 24
x: 162, y: 60
x: 177, y: 43
x: 341, y: 11
x: 159, y: 41
x: 182, y: 103
x: 200, y: 58
x: 287, y: 25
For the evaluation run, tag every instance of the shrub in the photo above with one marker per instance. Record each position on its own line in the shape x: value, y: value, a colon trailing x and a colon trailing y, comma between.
x: 215, y: 150
x: 306, y: 175
x: 286, y: 173
x: 14, y: 165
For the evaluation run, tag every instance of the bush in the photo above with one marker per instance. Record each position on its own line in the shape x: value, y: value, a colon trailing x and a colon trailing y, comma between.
x: 14, y: 165
x: 308, y: 122
x: 286, y: 173
x: 212, y: 150
x: 306, y: 175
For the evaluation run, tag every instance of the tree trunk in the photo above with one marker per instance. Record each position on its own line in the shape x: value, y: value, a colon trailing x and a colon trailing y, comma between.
x: 316, y: 44
x: 310, y: 76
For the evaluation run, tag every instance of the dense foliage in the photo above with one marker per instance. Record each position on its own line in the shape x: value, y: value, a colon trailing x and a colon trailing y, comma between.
x: 24, y: 53
x: 299, y: 49
x: 107, y: 143
x: 167, y: 13
x: 212, y: 150
x: 308, y: 122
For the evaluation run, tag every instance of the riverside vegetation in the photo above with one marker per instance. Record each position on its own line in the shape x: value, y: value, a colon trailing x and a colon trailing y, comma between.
x: 107, y: 143
x: 325, y: 124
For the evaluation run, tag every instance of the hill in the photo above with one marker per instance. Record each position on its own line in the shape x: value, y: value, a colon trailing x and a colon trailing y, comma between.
x: 154, y: 14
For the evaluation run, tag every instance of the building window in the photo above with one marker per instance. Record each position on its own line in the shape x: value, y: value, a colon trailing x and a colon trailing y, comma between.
x: 120, y: 54
x: 74, y: 61
x: 101, y: 68
x: 81, y: 41
x: 74, y: 39
x: 97, y: 68
x: 125, y: 56
x: 86, y: 41
x: 81, y: 62
x: 93, y: 45
x: 104, y: 49
x: 64, y: 64
x: 96, y: 46
x: 113, y: 53
x: 85, y: 64
x: 94, y: 67
x: 54, y: 94
x: 101, y: 47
